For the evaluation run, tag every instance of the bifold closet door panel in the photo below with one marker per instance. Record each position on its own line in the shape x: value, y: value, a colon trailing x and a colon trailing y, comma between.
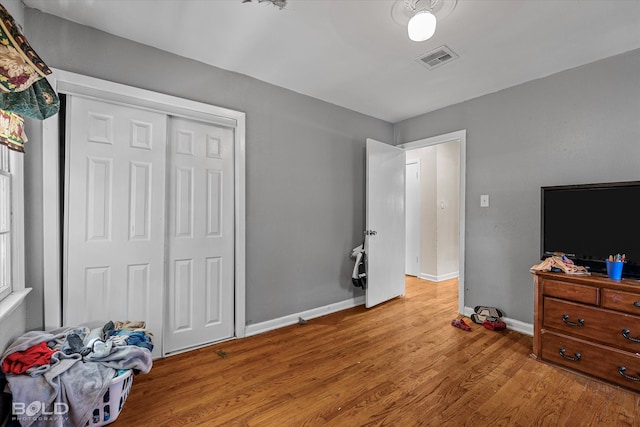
x: 200, y: 260
x: 114, y: 213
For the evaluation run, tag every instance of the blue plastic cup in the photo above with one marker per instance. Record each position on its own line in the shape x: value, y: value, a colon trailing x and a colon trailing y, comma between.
x: 614, y: 269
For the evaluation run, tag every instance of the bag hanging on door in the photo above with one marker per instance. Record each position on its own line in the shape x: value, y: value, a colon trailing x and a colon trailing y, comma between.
x: 359, y: 276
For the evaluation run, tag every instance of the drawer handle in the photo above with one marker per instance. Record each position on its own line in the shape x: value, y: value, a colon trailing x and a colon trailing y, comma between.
x: 565, y: 319
x: 626, y: 332
x: 622, y: 370
x: 637, y: 304
x: 575, y: 359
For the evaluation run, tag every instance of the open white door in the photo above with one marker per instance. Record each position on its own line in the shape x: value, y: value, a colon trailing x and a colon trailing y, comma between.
x: 385, y: 242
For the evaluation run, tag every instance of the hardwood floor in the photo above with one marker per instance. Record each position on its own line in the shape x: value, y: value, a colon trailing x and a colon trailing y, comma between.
x: 398, y: 364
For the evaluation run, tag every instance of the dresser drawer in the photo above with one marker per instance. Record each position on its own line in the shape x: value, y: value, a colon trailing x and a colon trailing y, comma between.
x: 571, y: 291
x: 628, y: 302
x: 595, y: 324
x: 605, y: 363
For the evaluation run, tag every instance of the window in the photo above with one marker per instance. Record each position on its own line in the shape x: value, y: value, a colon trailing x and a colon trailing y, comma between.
x: 12, y: 289
x: 5, y: 223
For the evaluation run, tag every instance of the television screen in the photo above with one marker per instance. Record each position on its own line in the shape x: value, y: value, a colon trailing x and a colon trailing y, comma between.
x: 590, y: 222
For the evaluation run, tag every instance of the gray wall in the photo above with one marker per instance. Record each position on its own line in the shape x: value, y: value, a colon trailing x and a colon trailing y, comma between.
x: 14, y: 324
x: 578, y: 126
x: 305, y: 165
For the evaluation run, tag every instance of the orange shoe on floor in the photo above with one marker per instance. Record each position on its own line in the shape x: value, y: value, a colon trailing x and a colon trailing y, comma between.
x: 494, y: 324
x: 460, y: 323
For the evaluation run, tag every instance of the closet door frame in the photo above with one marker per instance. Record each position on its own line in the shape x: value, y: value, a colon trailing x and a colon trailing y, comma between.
x: 65, y: 82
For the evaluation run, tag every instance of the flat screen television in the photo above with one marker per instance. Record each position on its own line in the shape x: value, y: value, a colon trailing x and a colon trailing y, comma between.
x: 592, y: 221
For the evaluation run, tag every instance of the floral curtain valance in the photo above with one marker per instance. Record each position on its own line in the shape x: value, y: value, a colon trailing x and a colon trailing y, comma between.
x: 20, y: 65
x: 12, y: 131
x: 24, y: 90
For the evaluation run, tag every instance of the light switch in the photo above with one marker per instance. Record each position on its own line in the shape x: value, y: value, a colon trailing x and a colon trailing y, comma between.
x: 484, y: 201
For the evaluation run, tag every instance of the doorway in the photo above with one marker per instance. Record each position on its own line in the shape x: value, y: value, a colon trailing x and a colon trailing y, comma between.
x: 442, y: 201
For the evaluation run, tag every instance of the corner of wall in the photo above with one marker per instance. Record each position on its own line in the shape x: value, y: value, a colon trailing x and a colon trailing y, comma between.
x: 16, y: 9
x: 15, y: 322
x: 33, y: 197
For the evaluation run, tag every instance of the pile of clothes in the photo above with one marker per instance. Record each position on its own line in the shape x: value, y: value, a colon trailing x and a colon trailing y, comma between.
x: 559, y: 262
x: 72, y: 367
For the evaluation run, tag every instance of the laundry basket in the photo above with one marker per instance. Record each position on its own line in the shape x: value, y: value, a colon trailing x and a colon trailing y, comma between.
x: 113, y: 400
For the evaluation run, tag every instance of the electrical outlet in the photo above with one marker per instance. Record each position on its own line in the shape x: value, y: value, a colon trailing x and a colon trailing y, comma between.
x: 484, y: 201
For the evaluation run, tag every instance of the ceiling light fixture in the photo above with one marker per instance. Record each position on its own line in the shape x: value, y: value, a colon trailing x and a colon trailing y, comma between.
x: 422, y: 25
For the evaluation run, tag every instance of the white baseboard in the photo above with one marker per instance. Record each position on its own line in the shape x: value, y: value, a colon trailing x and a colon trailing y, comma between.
x: 292, y: 319
x: 440, y: 278
x: 513, y: 324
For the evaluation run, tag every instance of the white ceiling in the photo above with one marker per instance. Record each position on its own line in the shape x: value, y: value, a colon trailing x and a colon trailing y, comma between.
x: 356, y: 54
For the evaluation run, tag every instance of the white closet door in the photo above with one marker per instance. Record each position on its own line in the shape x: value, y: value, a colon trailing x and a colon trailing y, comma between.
x: 115, y: 215
x: 200, y: 237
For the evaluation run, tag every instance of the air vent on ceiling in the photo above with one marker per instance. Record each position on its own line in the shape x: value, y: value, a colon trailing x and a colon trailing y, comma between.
x: 437, y: 57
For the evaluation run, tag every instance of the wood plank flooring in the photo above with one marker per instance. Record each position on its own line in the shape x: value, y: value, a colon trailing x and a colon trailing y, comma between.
x: 398, y: 364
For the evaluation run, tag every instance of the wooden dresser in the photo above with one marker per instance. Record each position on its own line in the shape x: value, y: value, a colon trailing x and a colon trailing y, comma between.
x: 589, y: 324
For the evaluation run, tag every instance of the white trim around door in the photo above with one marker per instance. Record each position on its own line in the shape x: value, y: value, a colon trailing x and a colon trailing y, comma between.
x: 65, y: 82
